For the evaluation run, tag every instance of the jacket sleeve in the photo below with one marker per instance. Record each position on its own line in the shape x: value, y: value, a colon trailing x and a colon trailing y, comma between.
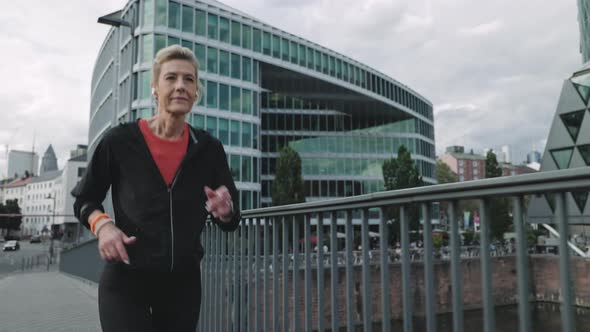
x: 223, y: 177
x: 91, y: 190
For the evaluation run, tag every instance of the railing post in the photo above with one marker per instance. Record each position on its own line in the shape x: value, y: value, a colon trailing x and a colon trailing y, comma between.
x: 207, y: 270
x: 266, y: 262
x: 522, y: 262
x: 295, y: 273
x: 385, y: 293
x: 406, y: 285
x: 365, y: 271
x: 215, y: 280
x: 486, y: 267
x: 257, y: 288
x: 275, y: 274
x: 567, y: 314
x: 429, y: 270
x: 243, y: 276
x: 349, y: 283
x: 320, y: 270
x: 307, y: 249
x: 285, y: 275
x: 334, y: 269
x: 249, y: 296
x: 237, y: 282
x: 456, y: 275
x: 224, y: 294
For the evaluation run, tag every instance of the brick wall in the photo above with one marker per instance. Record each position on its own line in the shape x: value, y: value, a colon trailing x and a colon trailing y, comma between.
x: 544, y: 283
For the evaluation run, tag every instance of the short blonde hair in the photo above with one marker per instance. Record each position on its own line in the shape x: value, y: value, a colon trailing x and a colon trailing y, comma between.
x: 176, y: 52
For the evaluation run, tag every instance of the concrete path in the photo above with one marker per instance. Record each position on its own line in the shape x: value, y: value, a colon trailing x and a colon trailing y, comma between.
x: 47, y: 302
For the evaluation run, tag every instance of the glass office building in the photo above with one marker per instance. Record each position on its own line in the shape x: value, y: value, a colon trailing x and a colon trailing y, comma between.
x: 584, y: 23
x: 265, y: 89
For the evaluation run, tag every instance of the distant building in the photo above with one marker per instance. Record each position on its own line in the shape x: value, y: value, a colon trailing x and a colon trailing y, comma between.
x: 512, y: 170
x: 467, y: 166
x: 53, y: 189
x: 505, y: 153
x: 533, y: 157
x: 39, y: 205
x: 72, y: 173
x: 49, y: 161
x: 568, y: 146
x: 584, y: 24
x: 22, y: 162
x: 80, y: 150
x: 16, y: 189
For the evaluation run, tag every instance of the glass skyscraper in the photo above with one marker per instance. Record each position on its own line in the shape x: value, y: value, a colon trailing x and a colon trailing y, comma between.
x: 583, y: 21
x: 265, y: 89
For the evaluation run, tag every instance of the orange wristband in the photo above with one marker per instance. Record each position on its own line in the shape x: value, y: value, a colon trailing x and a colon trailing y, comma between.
x: 96, y: 219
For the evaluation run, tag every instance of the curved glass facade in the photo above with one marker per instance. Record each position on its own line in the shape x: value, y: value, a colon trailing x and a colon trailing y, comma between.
x: 265, y: 88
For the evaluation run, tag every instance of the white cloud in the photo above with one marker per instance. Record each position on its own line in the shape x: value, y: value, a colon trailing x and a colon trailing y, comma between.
x: 499, y: 86
x: 482, y: 29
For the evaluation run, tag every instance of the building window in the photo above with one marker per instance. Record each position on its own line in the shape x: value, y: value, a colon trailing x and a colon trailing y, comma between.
x: 475, y: 163
x: 200, y: 22
x: 174, y: 16
x: 476, y: 171
x: 461, y: 178
x: 460, y: 170
x: 236, y: 33
x: 460, y: 162
x: 212, y: 26
x: 224, y: 30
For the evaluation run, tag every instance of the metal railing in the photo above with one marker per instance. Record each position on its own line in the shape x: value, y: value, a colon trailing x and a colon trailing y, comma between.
x: 35, y: 262
x: 256, y: 279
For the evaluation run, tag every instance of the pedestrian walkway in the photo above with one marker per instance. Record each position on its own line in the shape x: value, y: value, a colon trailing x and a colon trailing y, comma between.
x: 47, y: 302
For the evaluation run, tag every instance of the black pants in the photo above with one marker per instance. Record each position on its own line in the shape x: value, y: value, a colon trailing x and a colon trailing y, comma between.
x: 132, y: 300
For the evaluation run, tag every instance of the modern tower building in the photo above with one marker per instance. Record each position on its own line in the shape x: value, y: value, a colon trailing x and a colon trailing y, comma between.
x: 49, y: 161
x: 584, y: 23
x: 264, y: 89
x: 21, y: 163
x: 568, y: 146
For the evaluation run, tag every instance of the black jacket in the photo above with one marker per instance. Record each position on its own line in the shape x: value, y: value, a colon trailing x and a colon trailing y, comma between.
x: 167, y: 220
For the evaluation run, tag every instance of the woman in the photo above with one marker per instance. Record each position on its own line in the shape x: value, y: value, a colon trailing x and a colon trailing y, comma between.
x: 165, y: 177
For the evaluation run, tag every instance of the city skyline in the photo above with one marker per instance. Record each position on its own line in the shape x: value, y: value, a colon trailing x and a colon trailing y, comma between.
x: 487, y: 73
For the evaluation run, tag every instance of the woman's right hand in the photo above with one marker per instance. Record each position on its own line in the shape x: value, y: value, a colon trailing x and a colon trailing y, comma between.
x: 111, y: 243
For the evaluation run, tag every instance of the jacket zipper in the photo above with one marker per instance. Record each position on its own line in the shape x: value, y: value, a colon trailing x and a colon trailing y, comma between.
x: 172, y: 217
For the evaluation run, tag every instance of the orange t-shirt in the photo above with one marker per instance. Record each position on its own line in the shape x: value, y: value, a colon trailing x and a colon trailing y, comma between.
x: 167, y: 154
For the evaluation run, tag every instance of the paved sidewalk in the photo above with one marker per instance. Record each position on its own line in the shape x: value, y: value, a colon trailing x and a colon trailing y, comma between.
x: 47, y: 302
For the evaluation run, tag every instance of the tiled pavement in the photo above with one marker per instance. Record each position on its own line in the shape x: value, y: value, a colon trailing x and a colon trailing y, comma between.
x: 47, y: 302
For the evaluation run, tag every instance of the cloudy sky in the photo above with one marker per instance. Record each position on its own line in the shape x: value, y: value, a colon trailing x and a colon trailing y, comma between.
x: 492, y: 69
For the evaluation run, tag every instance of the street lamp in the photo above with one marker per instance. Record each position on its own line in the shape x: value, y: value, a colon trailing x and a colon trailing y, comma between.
x: 114, y: 19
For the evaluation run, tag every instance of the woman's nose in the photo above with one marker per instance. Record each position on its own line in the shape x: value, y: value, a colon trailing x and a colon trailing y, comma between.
x: 179, y: 84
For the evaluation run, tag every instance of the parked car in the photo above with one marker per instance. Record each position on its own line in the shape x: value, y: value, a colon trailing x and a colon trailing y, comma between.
x: 11, y: 246
x: 35, y: 239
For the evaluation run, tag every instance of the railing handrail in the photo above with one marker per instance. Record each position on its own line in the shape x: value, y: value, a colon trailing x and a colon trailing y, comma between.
x: 542, y: 182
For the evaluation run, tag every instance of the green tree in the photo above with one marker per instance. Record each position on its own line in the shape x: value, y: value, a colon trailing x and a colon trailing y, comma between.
x: 10, y: 223
x: 444, y: 174
x: 493, y: 169
x: 499, y: 208
x: 287, y: 187
x: 402, y: 173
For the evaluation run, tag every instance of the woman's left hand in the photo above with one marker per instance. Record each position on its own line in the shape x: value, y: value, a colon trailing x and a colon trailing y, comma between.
x: 219, y: 203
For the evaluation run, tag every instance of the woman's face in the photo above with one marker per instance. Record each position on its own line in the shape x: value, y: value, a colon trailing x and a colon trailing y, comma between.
x: 176, y: 88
